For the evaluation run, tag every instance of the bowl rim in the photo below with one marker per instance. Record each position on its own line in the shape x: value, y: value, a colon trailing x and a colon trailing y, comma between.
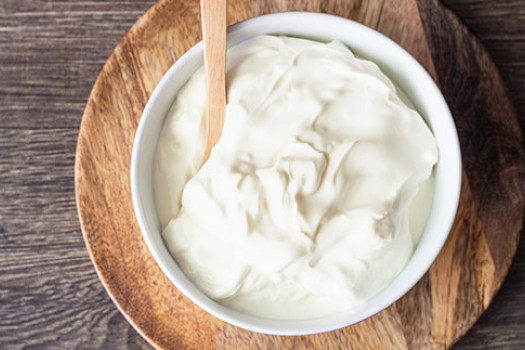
x: 344, y: 318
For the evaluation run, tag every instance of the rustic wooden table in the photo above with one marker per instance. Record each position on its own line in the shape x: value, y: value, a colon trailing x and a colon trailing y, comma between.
x: 50, y: 54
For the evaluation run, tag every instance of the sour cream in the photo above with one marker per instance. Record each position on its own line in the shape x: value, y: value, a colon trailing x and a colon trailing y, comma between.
x: 310, y: 203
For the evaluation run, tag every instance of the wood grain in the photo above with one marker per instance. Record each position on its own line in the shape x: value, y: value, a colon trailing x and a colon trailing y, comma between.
x: 460, y: 284
x: 50, y: 296
x: 50, y: 54
x: 213, y: 24
x: 49, y: 60
x: 499, y: 24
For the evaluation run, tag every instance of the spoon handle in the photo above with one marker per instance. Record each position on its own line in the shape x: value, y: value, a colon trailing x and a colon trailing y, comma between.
x: 213, y: 17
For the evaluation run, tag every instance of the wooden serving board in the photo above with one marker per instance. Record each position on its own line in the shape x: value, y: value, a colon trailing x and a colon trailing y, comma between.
x: 438, y: 310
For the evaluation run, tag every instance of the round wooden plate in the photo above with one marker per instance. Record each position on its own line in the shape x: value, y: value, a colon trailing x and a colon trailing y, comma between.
x: 438, y: 310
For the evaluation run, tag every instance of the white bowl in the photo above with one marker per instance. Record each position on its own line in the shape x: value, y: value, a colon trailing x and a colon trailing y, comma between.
x: 400, y: 67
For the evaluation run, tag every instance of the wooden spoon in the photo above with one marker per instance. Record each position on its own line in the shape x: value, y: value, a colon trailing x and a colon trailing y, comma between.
x: 213, y: 20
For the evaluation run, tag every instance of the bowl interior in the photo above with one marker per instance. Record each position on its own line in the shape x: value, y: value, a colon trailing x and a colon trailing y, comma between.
x: 401, y: 68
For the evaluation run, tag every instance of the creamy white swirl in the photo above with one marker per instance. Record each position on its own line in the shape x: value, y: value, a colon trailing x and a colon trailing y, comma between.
x: 304, y: 206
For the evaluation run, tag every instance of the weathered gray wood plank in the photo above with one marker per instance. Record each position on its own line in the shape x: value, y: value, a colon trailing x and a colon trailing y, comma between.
x: 51, y: 53
x: 50, y: 296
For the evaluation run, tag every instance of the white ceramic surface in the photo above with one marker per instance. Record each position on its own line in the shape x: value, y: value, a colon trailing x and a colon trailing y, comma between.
x: 401, y: 68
